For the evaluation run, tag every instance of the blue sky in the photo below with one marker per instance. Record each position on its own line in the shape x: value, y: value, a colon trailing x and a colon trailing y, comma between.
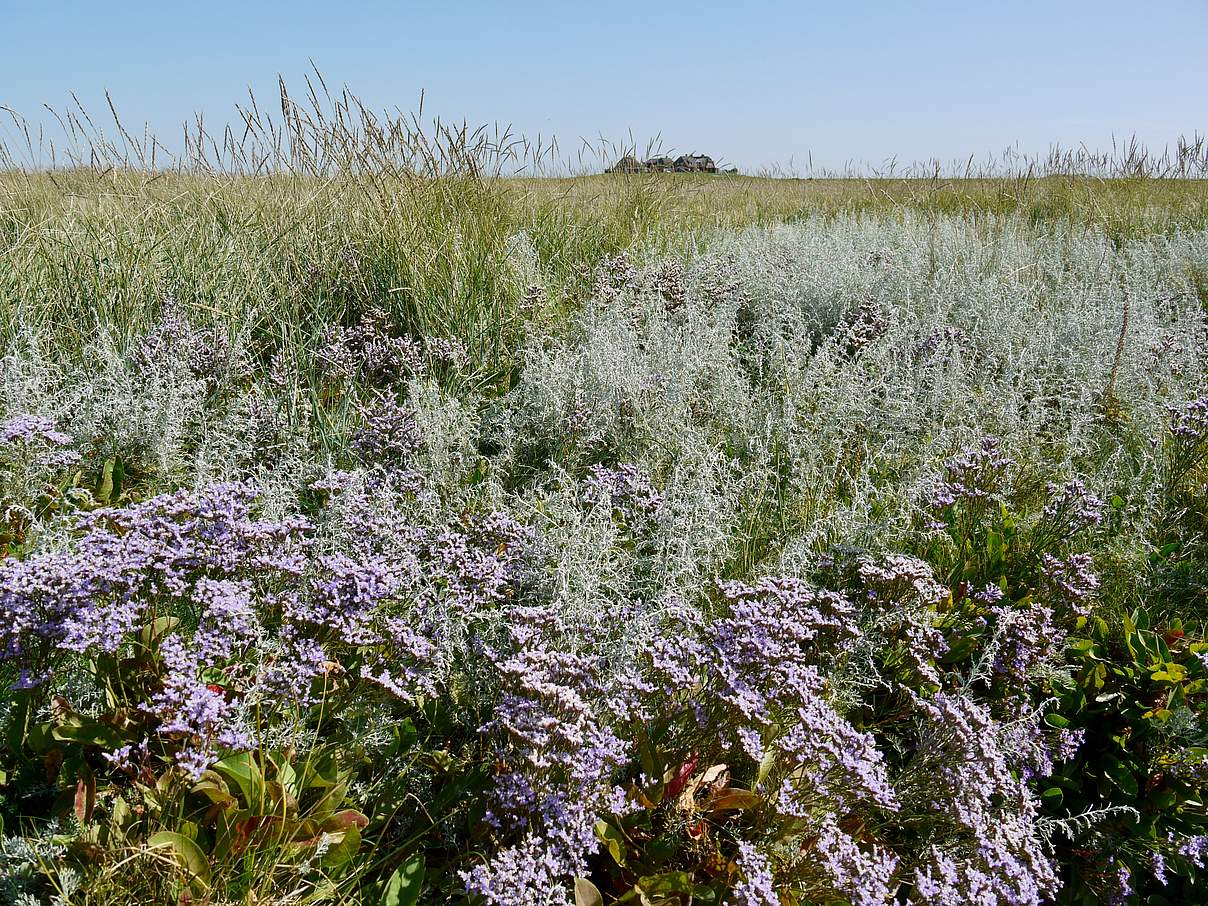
x: 756, y: 83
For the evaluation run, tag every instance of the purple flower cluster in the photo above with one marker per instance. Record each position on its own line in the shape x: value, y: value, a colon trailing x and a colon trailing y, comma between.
x: 994, y: 852
x: 973, y: 476
x: 941, y: 343
x: 578, y: 420
x: 669, y: 280
x: 897, y: 580
x: 32, y: 428
x: 529, y: 873
x: 368, y: 351
x: 1025, y: 636
x: 195, y: 711
x: 863, y: 876
x: 900, y: 595
x: 626, y: 489
x: 93, y: 594
x: 195, y: 558
x: 859, y: 328
x: 754, y: 675
x: 553, y: 729
x: 1070, y: 582
x: 757, y: 887
x: 1123, y: 890
x: 447, y: 351
x: 207, y: 353
x: 613, y: 275
x: 1190, y: 422
x: 389, y: 435
x: 37, y: 435
x: 1195, y: 850
x: 1034, y: 749
x: 1072, y: 507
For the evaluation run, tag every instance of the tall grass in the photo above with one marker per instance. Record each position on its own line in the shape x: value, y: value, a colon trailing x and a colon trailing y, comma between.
x: 302, y: 217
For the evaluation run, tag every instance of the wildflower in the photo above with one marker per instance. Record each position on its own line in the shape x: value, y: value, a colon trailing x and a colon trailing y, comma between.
x: 389, y: 435
x: 757, y: 887
x: 191, y: 708
x: 447, y: 351
x: 974, y: 476
x: 1072, y: 507
x: 1157, y: 863
x: 864, y: 877
x: 861, y: 327
x: 626, y: 489
x: 1191, y: 421
x: 32, y: 428
x: 1071, y: 582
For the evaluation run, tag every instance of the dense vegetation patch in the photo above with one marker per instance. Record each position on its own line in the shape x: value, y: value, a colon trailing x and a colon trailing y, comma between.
x: 417, y: 548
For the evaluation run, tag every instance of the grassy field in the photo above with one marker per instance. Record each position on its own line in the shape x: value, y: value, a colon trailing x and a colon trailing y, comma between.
x: 85, y: 250
x: 383, y: 534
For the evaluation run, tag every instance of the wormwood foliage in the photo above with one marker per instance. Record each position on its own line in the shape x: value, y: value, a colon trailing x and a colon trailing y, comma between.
x: 858, y: 560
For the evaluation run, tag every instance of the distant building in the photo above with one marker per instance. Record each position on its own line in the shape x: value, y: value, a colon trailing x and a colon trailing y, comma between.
x: 695, y: 163
x: 685, y: 163
x: 627, y: 164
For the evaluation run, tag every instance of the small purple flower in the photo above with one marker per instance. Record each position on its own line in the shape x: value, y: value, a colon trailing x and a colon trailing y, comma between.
x: 975, y: 476
x: 32, y: 428
x: 626, y: 489
x: 390, y: 435
x: 1190, y: 422
x: 1157, y: 862
x: 1072, y: 507
x: 1124, y: 889
x: 757, y: 887
x: 1070, y: 582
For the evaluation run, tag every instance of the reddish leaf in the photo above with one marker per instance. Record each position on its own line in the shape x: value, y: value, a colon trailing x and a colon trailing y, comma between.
x: 85, y: 797
x: 345, y: 819
x: 676, y: 785
x: 733, y: 800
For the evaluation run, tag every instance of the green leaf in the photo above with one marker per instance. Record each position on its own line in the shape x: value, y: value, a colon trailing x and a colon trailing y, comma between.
x: 344, y: 847
x: 1121, y: 775
x: 187, y: 853
x: 1052, y: 797
x: 587, y: 894
x: 157, y: 629
x: 403, y: 887
x: 765, y: 765
x: 243, y: 771
x: 89, y: 734
x: 613, y: 839
x: 405, y: 736
x: 668, y: 882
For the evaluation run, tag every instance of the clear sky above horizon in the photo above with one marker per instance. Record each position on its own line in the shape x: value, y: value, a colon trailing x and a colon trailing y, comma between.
x: 755, y: 83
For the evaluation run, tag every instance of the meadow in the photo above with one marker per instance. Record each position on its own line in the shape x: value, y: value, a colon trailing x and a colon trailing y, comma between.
x: 379, y: 528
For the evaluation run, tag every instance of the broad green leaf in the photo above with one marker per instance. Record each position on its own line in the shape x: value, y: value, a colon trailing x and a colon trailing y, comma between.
x: 343, y: 848
x: 404, y: 885
x: 89, y: 734
x: 243, y: 771
x: 667, y: 882
x: 187, y: 853
x: 587, y: 894
x: 1121, y: 775
x: 613, y: 839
